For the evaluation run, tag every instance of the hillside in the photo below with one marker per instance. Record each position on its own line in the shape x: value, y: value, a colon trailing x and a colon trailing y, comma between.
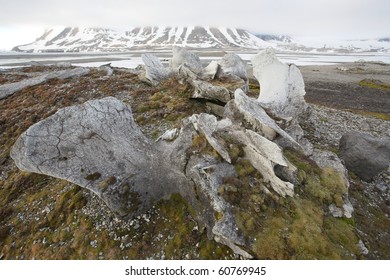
x: 78, y: 39
x: 74, y: 39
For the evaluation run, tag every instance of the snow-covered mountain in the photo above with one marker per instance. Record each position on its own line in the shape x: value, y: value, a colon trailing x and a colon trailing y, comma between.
x: 74, y: 39
x: 366, y: 45
x: 334, y: 45
x: 275, y: 38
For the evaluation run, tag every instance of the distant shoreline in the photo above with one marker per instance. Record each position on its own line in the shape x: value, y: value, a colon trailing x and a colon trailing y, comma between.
x: 14, y: 59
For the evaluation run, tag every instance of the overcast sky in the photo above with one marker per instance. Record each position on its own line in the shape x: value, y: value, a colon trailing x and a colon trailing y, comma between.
x: 21, y: 21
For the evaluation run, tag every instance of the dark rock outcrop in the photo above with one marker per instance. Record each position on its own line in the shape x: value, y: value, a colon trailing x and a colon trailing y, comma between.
x: 365, y: 155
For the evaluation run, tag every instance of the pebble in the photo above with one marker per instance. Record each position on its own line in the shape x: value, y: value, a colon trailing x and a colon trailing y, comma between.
x: 363, y: 248
x: 93, y: 243
x: 330, y: 124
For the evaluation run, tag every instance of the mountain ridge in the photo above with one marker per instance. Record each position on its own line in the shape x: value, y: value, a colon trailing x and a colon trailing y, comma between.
x: 75, y: 39
x: 86, y: 39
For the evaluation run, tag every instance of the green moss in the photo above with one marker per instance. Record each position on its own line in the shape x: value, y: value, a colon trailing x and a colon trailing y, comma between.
x: 218, y: 215
x: 155, y: 134
x: 343, y: 240
x: 323, y: 185
x: 103, y: 185
x: 306, y: 237
x: 140, y: 120
x: 142, y: 108
x: 304, y: 232
x: 180, y: 228
x: 93, y: 176
x: 246, y: 221
x: 299, y: 227
x: 302, y: 162
x: 244, y: 168
x: 4, y: 231
x: 173, y: 117
x: 235, y: 152
x: 211, y: 250
x: 270, y: 242
x: 381, y: 116
x: 199, y: 142
x: 157, y: 96
x: 376, y: 84
x: 64, y: 205
x: 201, y: 146
x: 170, y: 103
x: 334, y: 149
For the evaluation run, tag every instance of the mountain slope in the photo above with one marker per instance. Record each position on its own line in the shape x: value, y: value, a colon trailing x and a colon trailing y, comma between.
x: 74, y: 39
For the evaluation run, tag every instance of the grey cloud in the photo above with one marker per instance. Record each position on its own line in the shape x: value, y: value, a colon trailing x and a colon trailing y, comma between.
x: 358, y: 18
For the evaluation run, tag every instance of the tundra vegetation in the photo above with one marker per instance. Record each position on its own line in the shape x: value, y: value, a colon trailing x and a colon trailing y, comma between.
x: 42, y: 217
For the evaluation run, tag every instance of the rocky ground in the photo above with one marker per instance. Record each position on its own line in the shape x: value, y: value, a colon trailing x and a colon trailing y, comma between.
x: 359, y: 87
x: 46, y: 218
x: 354, y: 97
x: 371, y: 201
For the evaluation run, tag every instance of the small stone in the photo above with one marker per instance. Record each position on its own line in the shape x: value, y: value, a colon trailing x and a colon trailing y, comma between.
x: 93, y: 243
x: 363, y: 249
x: 381, y: 187
x: 335, y: 211
x: 169, y: 135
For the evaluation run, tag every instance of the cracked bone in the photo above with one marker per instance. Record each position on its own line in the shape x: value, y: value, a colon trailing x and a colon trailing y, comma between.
x: 261, y: 152
x: 205, y: 90
x: 97, y: 145
x: 251, y: 111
